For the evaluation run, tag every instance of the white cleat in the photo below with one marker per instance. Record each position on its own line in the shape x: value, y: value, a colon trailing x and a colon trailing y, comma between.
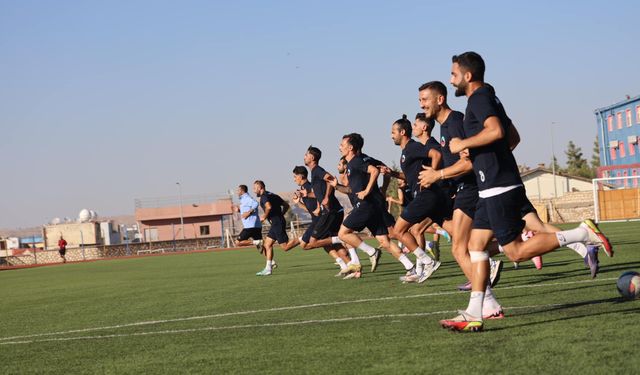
x: 429, y: 269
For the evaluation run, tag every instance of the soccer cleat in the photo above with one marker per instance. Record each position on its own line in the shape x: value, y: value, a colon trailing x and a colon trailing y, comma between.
x: 465, y: 287
x: 429, y: 269
x: 463, y: 323
x: 259, y: 245
x: 597, y: 237
x: 274, y: 265
x: 495, y: 268
x: 537, y: 261
x: 374, y: 259
x: 353, y: 275
x: 351, y: 267
x: 433, y: 248
x: 339, y: 274
x: 264, y: 272
x: 592, y: 260
x: 410, y: 277
x: 498, y: 314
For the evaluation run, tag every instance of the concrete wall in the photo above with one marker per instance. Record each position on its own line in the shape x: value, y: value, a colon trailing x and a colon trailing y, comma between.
x: 540, y: 185
x: 74, y: 233
x: 570, y: 208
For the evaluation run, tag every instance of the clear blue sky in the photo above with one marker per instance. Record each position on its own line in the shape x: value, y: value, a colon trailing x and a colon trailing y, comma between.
x: 102, y: 102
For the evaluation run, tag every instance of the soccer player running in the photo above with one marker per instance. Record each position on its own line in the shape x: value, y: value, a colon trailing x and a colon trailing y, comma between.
x: 369, y: 210
x: 426, y: 203
x: 300, y: 177
x: 251, y: 233
x: 459, y: 171
x: 500, y: 189
x: 274, y: 209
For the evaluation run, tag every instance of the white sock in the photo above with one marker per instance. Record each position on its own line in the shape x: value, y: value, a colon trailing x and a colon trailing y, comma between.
x: 341, y: 263
x: 501, y: 249
x: 268, y: 266
x: 256, y: 242
x: 405, y: 262
x: 400, y: 245
x: 336, y: 240
x: 441, y: 231
x: 579, y: 248
x: 300, y: 239
x: 475, y: 304
x: 353, y: 255
x: 367, y: 248
x: 490, y: 304
x: 578, y: 234
x: 419, y: 253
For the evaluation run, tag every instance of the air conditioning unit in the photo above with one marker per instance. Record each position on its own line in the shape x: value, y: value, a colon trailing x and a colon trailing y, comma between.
x: 632, y: 139
x: 613, y: 144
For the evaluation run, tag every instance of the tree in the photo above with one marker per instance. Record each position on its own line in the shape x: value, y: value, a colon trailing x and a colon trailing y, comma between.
x: 556, y: 165
x: 576, y: 164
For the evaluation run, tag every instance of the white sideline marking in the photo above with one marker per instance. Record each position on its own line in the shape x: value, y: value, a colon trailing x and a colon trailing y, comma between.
x: 263, y: 325
x: 274, y: 309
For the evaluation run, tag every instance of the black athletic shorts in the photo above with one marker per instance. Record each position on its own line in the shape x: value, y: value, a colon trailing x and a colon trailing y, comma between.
x: 466, y: 199
x: 62, y: 252
x: 328, y: 224
x: 502, y: 214
x: 426, y: 204
x: 306, y: 236
x: 367, y: 215
x: 527, y: 208
x: 278, y: 230
x: 246, y: 233
x: 388, y: 219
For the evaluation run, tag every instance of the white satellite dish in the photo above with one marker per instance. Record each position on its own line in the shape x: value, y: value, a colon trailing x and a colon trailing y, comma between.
x: 56, y: 221
x: 93, y: 214
x: 84, y: 216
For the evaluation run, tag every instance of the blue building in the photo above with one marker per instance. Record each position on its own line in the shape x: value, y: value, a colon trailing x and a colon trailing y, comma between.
x: 618, y: 133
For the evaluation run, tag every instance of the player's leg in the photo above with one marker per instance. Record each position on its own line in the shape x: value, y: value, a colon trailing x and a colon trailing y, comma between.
x: 268, y: 253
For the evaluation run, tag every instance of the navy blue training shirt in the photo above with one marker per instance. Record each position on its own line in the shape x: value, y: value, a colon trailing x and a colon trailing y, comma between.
x: 310, y: 203
x: 453, y: 127
x: 319, y: 186
x: 493, y: 164
x: 276, y: 204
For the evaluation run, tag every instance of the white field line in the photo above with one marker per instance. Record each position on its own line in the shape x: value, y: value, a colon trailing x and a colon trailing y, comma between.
x: 262, y: 325
x: 284, y: 308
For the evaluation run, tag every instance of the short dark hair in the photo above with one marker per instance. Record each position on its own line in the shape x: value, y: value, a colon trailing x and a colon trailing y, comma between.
x: 315, y: 152
x: 430, y: 121
x: 404, y: 124
x: 436, y: 86
x: 300, y: 170
x: 355, y: 140
x: 243, y: 188
x: 471, y: 62
x: 259, y: 183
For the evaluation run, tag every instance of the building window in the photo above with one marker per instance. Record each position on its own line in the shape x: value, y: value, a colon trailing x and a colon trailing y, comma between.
x: 610, y: 123
x: 632, y: 149
x: 628, y: 113
x: 612, y: 152
x: 626, y: 180
x: 634, y: 173
x: 638, y: 114
x: 621, y: 146
x: 204, y: 230
x: 619, y: 118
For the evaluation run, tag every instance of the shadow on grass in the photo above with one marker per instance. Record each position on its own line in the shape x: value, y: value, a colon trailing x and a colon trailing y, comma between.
x: 614, y: 301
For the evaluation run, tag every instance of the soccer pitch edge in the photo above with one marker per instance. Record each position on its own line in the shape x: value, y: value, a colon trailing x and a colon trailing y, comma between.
x: 43, y: 337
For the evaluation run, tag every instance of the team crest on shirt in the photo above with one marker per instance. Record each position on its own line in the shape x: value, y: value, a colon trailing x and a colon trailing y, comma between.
x: 402, y: 158
x: 443, y: 141
x: 481, y: 173
x: 348, y: 171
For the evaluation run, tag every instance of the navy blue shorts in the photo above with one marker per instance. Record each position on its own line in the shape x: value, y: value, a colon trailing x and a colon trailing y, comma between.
x: 502, y: 214
x: 527, y: 208
x: 466, y: 199
x: 328, y: 224
x: 426, y: 204
x: 306, y: 236
x: 367, y: 215
x: 278, y: 230
x: 255, y: 233
x: 388, y: 219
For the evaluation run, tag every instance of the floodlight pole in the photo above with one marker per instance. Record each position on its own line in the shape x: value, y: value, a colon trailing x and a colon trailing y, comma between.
x: 553, y: 164
x: 181, y: 216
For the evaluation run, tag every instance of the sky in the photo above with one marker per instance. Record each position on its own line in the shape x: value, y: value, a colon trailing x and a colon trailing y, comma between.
x: 102, y: 102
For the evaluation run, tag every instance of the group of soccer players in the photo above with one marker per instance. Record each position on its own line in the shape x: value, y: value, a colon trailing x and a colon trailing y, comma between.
x: 468, y: 183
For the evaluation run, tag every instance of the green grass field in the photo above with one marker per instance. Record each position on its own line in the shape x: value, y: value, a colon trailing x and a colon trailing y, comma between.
x: 208, y: 313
